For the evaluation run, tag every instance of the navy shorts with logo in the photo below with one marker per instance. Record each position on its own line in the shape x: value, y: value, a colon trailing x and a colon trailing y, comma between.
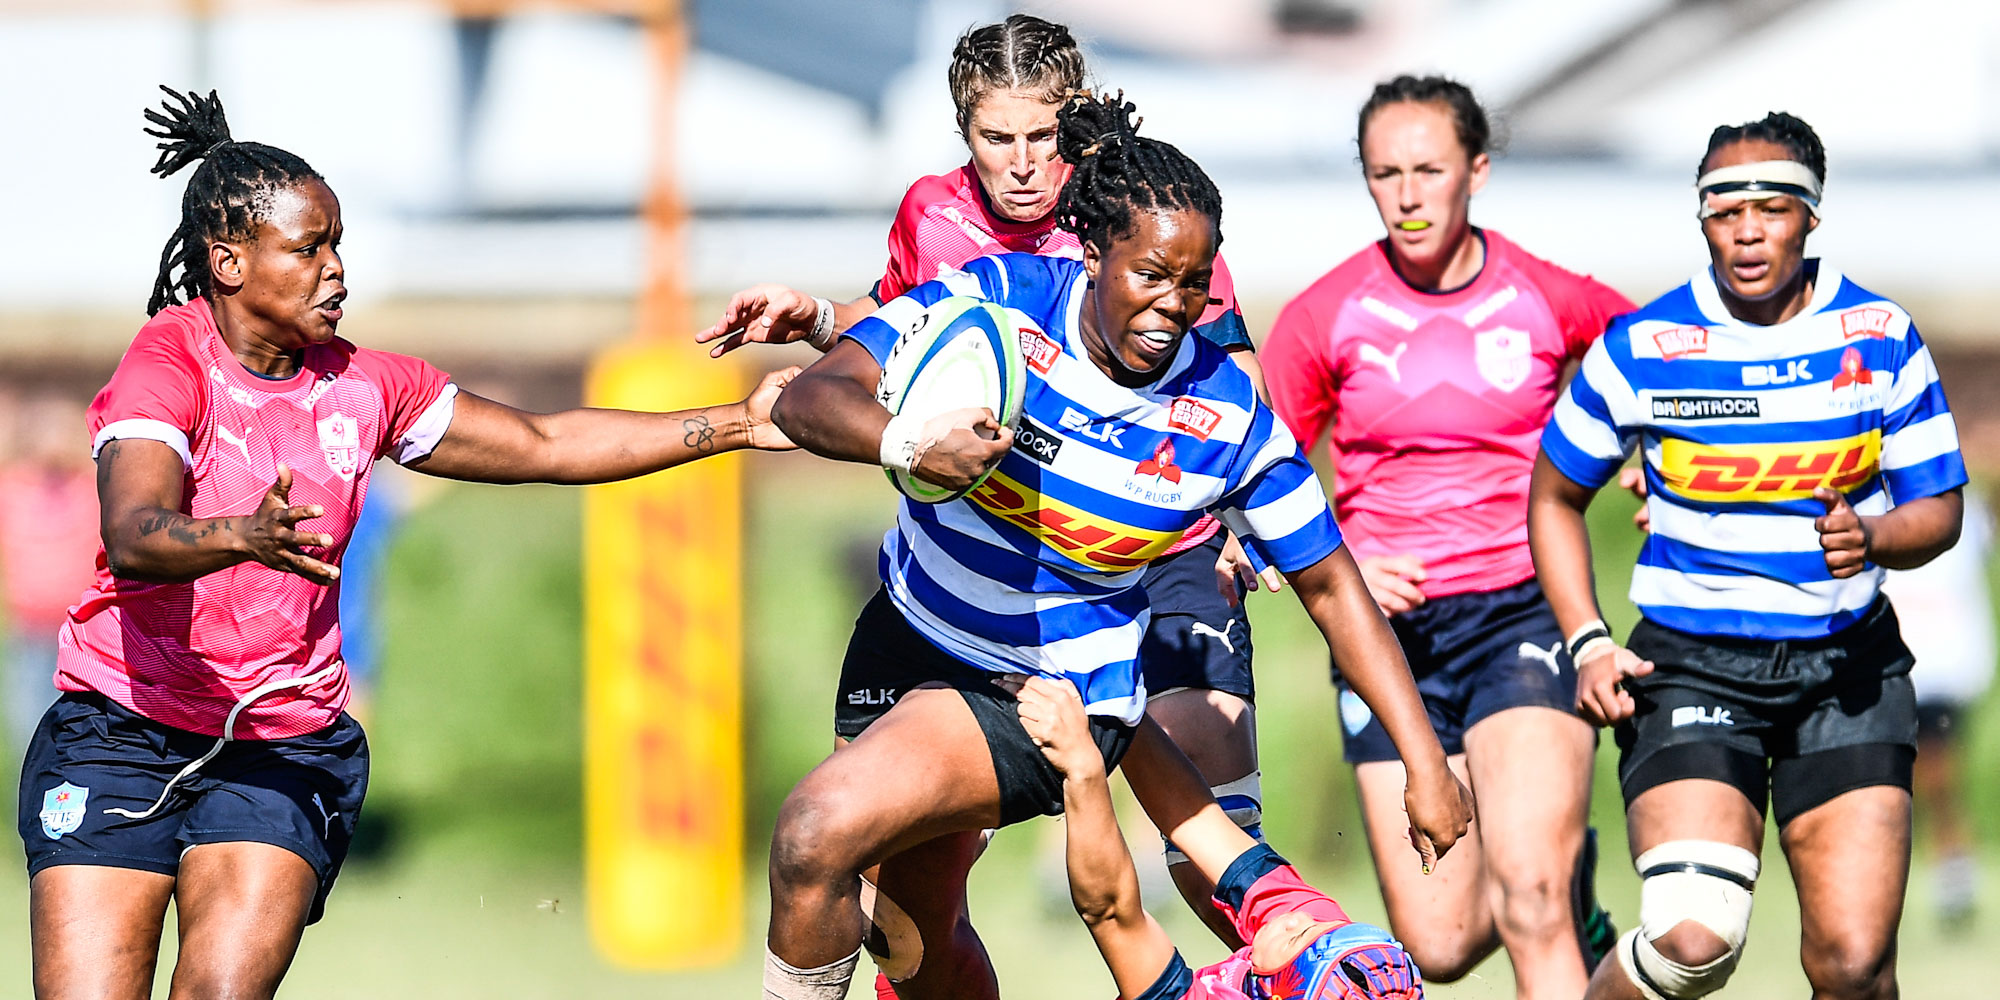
x: 1795, y: 722
x: 91, y: 754
x: 1195, y: 640
x: 1473, y: 655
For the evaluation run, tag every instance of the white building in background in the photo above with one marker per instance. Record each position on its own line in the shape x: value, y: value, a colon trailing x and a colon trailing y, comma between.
x: 507, y: 159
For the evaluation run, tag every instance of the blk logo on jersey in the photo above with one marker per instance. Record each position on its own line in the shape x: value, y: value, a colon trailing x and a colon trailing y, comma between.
x: 1192, y: 416
x: 1505, y: 357
x: 1697, y: 715
x: 340, y: 442
x: 1865, y: 322
x: 63, y: 809
x: 1795, y: 370
x: 1161, y: 464
x: 1037, y: 442
x: 1853, y: 371
x: 1760, y: 473
x: 1681, y: 342
x: 1110, y: 432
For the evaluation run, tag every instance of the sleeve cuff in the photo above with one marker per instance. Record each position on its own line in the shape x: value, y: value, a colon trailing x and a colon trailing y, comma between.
x: 142, y: 429
x: 423, y: 436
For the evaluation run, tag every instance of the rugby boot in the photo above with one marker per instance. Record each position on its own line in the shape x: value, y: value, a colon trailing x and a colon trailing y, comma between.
x: 1595, y: 934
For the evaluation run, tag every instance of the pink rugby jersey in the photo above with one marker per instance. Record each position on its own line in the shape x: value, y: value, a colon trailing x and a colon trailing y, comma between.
x: 185, y: 654
x: 945, y: 221
x: 1436, y: 400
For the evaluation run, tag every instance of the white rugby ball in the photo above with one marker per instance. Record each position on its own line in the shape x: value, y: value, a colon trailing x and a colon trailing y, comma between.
x: 962, y: 351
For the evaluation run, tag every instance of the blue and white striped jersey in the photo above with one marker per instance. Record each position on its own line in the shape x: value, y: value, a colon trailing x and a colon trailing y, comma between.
x: 1037, y: 571
x: 1739, y: 423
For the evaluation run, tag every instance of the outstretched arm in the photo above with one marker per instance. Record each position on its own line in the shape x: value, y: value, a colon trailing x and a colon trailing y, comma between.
x: 1103, y: 885
x: 1368, y: 657
x: 776, y: 314
x: 491, y: 442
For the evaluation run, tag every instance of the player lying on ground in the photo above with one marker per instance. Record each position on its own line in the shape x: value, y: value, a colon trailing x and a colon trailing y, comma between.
x: 1795, y: 442
x: 202, y: 754
x: 1007, y: 80
x: 1302, y: 946
x: 983, y: 585
x: 1434, y: 357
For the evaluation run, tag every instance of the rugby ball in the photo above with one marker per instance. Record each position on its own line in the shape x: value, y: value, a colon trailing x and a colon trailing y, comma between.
x: 962, y: 351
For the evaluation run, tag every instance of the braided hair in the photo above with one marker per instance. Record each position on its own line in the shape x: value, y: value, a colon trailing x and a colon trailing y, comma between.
x: 226, y: 197
x: 1777, y: 127
x: 1023, y: 52
x: 1117, y: 173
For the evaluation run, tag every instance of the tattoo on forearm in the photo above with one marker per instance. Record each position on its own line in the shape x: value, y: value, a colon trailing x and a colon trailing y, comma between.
x: 180, y: 527
x: 700, y: 434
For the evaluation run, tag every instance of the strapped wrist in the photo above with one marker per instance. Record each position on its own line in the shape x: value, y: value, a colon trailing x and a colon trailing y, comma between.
x: 1592, y: 634
x: 901, y: 441
x: 822, y: 335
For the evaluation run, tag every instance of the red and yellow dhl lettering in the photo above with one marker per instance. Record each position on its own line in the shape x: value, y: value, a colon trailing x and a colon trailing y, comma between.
x: 1095, y: 541
x: 1768, y: 472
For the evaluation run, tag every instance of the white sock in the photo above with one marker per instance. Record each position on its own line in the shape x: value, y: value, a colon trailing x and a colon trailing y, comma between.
x: 783, y: 981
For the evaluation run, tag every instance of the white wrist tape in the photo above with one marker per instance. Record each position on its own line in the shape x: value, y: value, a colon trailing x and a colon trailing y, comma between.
x: 902, y: 441
x: 822, y: 333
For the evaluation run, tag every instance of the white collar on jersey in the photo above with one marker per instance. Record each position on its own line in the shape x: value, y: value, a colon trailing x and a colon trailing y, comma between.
x: 1183, y: 352
x: 1708, y: 298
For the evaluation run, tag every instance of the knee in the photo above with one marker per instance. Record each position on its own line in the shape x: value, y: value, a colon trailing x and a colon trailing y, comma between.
x: 1441, y: 958
x: 814, y: 842
x: 1850, y: 970
x: 1694, y: 912
x: 1533, y: 905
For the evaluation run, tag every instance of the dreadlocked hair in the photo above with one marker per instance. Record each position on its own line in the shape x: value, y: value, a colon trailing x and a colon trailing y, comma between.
x: 226, y: 197
x: 1794, y: 134
x: 1116, y: 173
x: 1023, y: 52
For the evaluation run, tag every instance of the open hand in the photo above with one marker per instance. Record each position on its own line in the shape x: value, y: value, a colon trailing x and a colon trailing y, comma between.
x: 270, y: 538
x: 757, y: 426
x: 1235, y: 575
x: 761, y: 314
x: 1842, y: 533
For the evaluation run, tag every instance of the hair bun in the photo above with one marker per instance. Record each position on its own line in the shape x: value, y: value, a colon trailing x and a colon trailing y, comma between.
x: 192, y: 131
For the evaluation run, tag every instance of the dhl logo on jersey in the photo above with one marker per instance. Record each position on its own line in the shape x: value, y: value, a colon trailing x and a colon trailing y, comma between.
x: 1095, y: 541
x: 1755, y: 473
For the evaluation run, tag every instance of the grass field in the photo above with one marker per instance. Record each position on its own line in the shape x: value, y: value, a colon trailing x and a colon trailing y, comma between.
x: 477, y: 741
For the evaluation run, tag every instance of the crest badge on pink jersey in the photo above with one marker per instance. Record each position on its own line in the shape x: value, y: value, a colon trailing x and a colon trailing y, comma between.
x: 340, y: 442
x: 63, y: 809
x: 1505, y: 357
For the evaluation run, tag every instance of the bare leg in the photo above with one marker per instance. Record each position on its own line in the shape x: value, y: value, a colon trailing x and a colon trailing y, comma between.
x: 928, y: 881
x: 1851, y: 860
x: 920, y: 772
x: 1218, y: 732
x: 243, y: 907
x: 1442, y: 918
x: 1531, y: 775
x: 1690, y: 809
x: 96, y: 931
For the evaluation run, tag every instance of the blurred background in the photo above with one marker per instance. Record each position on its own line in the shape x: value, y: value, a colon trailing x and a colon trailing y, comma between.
x: 506, y: 171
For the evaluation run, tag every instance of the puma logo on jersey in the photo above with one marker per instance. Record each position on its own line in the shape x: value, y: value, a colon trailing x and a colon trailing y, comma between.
x: 1530, y: 651
x: 1374, y: 356
x: 1204, y: 628
x: 326, y: 818
x: 242, y: 443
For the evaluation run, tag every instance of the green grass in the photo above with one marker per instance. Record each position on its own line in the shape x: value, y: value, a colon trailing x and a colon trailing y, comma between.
x: 477, y: 740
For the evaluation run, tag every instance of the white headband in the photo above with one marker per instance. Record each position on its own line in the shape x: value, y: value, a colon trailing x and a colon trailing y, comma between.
x: 1756, y: 182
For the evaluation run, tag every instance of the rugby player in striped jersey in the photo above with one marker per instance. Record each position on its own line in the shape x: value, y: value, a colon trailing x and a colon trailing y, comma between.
x: 1007, y: 79
x: 1038, y: 570
x: 1796, y: 442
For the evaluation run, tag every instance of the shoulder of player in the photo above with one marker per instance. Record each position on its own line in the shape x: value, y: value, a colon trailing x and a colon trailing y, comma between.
x: 1540, y: 271
x: 1862, y: 313
x: 1331, y: 292
x: 171, y: 336
x: 935, y: 200
x: 1673, y: 324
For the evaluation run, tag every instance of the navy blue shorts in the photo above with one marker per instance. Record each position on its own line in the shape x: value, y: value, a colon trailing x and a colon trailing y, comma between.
x: 91, y: 754
x: 1196, y: 640
x: 1473, y: 655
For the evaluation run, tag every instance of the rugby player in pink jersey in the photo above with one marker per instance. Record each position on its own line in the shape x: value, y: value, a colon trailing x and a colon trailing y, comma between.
x: 1435, y: 356
x: 1303, y: 946
x: 200, y: 752
x: 1007, y: 81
